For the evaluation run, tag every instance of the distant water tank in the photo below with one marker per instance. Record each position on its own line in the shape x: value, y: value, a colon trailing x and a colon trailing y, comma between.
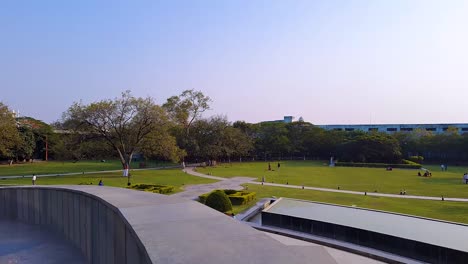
x: 288, y: 119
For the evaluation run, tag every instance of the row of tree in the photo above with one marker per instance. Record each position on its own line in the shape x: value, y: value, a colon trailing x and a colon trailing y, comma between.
x: 22, y: 139
x: 130, y: 128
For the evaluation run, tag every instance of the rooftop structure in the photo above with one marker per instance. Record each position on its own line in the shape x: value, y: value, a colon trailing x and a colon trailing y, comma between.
x: 418, y: 238
x: 392, y: 128
x: 286, y: 119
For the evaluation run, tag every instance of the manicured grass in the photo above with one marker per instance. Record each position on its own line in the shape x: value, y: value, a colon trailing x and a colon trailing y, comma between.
x: 173, y: 177
x: 52, y: 167
x: 448, y: 184
x: 449, y: 211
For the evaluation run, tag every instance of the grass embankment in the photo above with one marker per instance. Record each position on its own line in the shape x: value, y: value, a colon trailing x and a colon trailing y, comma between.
x: 310, y: 173
x: 56, y: 167
x: 173, y: 177
x: 449, y: 211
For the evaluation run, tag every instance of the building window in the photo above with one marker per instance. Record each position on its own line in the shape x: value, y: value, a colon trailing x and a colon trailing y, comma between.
x: 445, y: 128
x: 391, y: 129
x: 349, y: 129
x: 338, y: 129
x: 406, y: 129
x: 465, y: 129
x: 373, y: 129
x: 430, y: 129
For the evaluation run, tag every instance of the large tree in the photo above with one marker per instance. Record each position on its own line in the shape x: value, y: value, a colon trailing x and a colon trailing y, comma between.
x: 9, y: 136
x: 187, y: 107
x: 124, y: 123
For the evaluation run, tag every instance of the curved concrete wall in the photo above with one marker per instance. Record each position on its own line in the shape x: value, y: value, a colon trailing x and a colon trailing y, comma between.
x: 116, y: 225
x: 93, y: 225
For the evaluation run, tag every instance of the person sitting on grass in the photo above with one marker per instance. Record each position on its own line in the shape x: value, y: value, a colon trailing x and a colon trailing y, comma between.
x: 419, y: 173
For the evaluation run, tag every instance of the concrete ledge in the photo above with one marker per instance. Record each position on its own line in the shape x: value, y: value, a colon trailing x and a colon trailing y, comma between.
x: 115, y: 225
x: 88, y: 221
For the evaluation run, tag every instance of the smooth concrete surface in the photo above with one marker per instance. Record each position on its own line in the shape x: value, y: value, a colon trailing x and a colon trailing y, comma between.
x: 339, y: 256
x: 28, y: 244
x: 115, y: 225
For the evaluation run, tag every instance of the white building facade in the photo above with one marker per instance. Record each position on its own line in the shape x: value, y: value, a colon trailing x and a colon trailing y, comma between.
x: 392, y: 128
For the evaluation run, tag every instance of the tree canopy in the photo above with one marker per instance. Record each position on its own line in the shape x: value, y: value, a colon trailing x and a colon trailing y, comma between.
x: 125, y: 123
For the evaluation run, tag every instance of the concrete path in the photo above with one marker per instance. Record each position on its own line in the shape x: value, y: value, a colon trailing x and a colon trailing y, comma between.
x: 191, y: 171
x: 193, y: 191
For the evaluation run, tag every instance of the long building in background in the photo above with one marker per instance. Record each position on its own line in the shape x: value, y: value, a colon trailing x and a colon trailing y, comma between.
x: 461, y: 128
x: 392, y: 128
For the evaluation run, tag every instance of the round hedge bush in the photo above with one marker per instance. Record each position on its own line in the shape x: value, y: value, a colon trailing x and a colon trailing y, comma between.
x: 219, y: 201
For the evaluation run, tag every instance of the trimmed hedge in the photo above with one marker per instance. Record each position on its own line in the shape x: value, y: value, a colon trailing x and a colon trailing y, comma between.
x: 417, y: 159
x: 409, y: 162
x: 236, y: 197
x: 162, y: 189
x: 242, y: 197
x: 219, y: 201
x: 378, y: 165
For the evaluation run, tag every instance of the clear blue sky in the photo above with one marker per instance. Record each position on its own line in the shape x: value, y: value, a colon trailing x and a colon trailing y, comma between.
x: 327, y: 61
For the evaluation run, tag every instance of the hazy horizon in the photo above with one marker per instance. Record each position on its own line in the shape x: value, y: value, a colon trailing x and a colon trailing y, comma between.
x: 330, y: 62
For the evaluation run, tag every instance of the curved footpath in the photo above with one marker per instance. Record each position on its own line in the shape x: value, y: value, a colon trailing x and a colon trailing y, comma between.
x: 191, y: 171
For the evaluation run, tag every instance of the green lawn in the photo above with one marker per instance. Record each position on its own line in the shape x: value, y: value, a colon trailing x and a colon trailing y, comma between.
x: 448, y: 184
x: 52, y: 167
x: 174, y: 177
x: 449, y: 211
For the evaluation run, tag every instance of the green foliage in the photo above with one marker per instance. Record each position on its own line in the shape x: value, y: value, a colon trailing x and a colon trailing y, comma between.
x: 187, y: 107
x: 242, y: 197
x: 214, y: 138
x: 162, y: 189
x: 416, y: 159
x: 236, y: 197
x: 410, y: 162
x: 219, y: 201
x: 229, y: 191
x: 202, y: 198
x: 124, y: 123
x: 27, y: 145
x: 372, y: 147
x: 9, y: 136
x: 378, y: 165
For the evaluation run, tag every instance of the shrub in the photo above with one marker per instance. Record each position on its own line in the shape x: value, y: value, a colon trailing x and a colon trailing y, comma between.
x: 162, y: 189
x: 219, y: 201
x: 409, y: 162
x: 241, y: 198
x: 229, y: 192
x: 202, y: 198
x: 417, y: 159
x: 377, y: 165
x: 236, y: 197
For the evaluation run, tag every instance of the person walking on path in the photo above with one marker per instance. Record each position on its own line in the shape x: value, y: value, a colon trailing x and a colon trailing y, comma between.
x: 34, y: 180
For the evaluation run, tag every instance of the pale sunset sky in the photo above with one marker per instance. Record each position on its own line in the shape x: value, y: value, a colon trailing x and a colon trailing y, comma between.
x: 329, y: 61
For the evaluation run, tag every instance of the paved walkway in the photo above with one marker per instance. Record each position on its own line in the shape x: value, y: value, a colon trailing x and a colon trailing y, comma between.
x: 191, y: 171
x: 193, y: 191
